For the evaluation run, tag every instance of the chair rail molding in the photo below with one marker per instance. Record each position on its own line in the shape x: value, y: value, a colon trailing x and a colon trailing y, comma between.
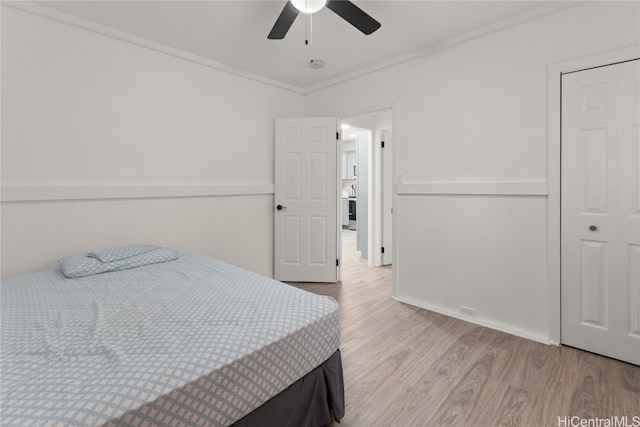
x: 498, y: 188
x: 28, y: 193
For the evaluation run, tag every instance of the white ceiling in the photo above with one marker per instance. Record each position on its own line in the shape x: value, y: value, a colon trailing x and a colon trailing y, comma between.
x: 234, y: 33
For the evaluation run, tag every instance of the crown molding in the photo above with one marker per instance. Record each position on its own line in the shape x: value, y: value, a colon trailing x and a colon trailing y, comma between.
x: 538, y: 12
x: 530, y: 15
x: 85, y: 24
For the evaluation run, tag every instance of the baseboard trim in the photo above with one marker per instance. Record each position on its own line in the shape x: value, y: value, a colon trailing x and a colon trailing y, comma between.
x: 480, y: 322
x: 20, y: 194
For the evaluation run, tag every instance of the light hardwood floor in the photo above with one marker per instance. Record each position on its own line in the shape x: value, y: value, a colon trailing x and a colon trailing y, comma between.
x: 408, y: 367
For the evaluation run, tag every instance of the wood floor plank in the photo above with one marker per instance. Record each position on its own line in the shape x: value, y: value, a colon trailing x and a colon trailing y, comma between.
x: 395, y: 388
x: 464, y: 395
x: 408, y: 367
x: 630, y: 377
x: 513, y: 405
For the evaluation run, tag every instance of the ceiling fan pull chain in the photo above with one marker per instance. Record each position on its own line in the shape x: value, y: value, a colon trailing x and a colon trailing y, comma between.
x: 306, y: 30
x: 311, y: 32
x: 313, y: 62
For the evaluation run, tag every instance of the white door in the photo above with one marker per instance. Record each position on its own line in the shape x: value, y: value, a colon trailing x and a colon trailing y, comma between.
x: 600, y: 235
x: 306, y: 200
x: 387, y: 197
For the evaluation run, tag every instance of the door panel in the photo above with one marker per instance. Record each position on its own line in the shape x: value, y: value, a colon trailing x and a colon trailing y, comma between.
x: 291, y: 246
x: 306, y: 226
x: 600, y: 211
x: 318, y: 184
x: 632, y: 154
x: 318, y: 231
x: 633, y: 291
x: 292, y: 170
x: 594, y: 170
x: 593, y: 284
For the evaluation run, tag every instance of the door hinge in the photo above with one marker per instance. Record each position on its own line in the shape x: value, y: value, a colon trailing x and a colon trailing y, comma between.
x: 337, y: 136
x: 382, y: 249
x: 337, y: 263
x: 382, y: 144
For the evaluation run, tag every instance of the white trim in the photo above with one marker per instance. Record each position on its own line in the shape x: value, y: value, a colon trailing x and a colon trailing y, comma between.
x: 111, y: 32
x: 375, y: 198
x: 15, y: 193
x: 395, y: 168
x: 525, y: 188
x: 554, y: 129
x: 546, y: 9
x: 538, y: 12
x: 497, y: 326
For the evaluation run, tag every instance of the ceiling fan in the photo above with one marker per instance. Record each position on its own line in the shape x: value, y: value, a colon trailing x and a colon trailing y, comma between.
x: 343, y: 8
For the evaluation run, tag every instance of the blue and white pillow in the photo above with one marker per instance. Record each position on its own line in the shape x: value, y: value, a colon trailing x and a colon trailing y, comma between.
x: 120, y: 258
x: 121, y: 252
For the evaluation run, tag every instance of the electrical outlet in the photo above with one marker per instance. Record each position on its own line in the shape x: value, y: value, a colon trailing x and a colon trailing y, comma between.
x: 468, y: 311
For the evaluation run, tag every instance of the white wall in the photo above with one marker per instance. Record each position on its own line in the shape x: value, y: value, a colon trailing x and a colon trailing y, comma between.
x: 185, y: 150
x: 470, y: 127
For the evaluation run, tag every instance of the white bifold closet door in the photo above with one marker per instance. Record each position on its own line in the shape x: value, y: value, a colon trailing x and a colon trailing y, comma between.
x: 600, y: 225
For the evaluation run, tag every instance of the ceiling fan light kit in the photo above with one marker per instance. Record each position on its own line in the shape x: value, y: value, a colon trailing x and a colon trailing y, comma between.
x: 309, y: 6
x: 343, y: 8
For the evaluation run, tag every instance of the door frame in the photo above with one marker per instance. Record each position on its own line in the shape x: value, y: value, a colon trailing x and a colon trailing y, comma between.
x: 554, y: 173
x: 375, y: 188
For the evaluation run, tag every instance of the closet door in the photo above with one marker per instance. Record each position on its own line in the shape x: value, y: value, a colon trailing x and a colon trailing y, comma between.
x: 600, y: 225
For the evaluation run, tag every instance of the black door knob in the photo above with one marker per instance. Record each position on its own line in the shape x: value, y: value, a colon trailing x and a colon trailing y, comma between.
x: 279, y: 207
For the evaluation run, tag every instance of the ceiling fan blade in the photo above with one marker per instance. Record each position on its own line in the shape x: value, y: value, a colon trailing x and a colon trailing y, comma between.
x: 354, y: 15
x: 284, y: 22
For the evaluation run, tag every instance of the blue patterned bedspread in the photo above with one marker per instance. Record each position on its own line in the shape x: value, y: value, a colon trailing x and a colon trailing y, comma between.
x: 193, y: 341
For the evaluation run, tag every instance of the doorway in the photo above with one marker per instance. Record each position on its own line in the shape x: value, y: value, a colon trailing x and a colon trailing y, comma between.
x: 366, y: 184
x: 600, y: 210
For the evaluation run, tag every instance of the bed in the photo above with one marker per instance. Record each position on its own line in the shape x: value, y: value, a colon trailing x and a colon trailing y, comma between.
x: 192, y: 341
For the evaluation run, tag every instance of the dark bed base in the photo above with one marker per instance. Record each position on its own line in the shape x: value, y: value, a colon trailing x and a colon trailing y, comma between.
x: 314, y: 400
